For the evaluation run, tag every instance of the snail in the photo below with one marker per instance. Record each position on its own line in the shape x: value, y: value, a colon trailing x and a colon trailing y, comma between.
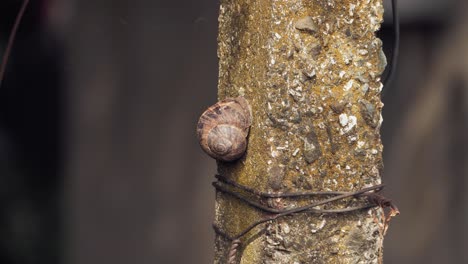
x: 223, y: 128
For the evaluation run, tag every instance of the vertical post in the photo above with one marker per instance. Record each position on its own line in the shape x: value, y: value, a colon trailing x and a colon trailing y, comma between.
x: 311, y: 73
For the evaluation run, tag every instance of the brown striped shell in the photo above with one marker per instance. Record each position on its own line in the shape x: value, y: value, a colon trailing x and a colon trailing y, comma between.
x: 223, y: 128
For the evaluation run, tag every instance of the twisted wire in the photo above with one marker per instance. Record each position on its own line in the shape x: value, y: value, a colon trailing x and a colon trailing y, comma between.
x: 230, y: 187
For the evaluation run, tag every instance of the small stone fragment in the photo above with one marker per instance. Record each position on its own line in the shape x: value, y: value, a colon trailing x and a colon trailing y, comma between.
x: 352, y: 121
x: 343, y: 120
x: 347, y: 122
x: 285, y: 227
x: 348, y: 32
x: 278, y: 122
x: 338, y: 107
x: 306, y: 24
x: 369, y: 113
x: 309, y: 73
x: 382, y: 62
x: 314, y: 48
x: 276, y: 176
x: 334, y: 250
x: 287, y: 243
x: 295, y: 152
x: 362, y: 78
x: 295, y: 116
x: 348, y: 85
x: 365, y: 88
x: 290, y: 53
x: 360, y: 153
x: 334, y: 146
x: 312, y: 150
x: 363, y: 52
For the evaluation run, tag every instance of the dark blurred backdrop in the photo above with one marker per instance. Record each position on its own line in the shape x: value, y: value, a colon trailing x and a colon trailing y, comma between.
x: 98, y: 157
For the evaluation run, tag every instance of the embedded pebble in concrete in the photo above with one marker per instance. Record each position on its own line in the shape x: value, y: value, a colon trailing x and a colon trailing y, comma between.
x: 306, y: 24
x: 344, y: 120
x: 312, y: 150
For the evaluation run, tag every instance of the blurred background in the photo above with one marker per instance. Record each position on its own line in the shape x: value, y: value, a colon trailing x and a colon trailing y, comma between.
x: 98, y: 157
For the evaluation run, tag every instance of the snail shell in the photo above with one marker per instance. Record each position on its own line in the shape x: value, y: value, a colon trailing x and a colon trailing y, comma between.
x: 223, y: 128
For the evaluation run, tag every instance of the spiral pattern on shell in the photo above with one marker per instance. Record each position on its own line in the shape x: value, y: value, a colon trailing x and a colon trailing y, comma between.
x: 223, y: 128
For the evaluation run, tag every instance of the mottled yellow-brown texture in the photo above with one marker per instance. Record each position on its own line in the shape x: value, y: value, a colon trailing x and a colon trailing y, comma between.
x: 311, y: 73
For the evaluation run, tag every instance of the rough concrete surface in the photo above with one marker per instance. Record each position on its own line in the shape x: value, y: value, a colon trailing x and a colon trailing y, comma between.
x: 311, y: 73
